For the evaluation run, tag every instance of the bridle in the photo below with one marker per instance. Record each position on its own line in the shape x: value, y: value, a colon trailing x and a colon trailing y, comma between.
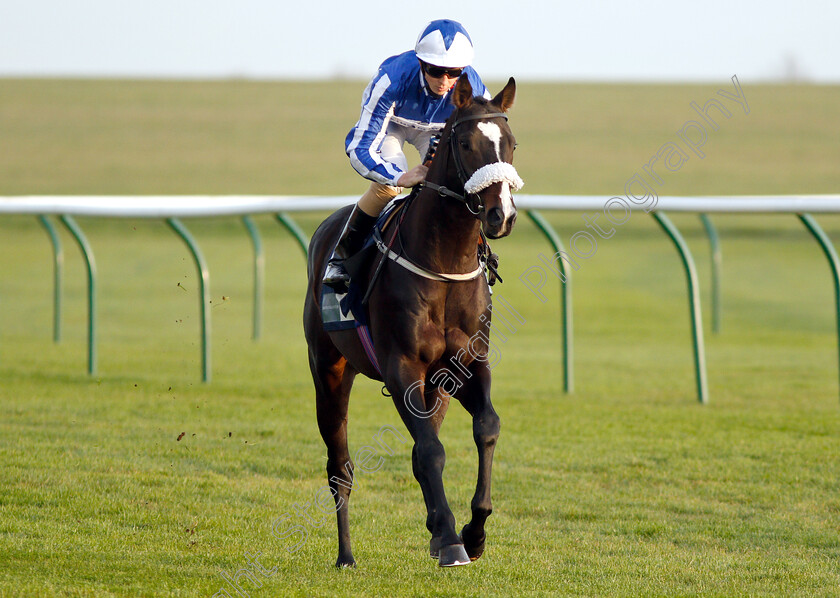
x: 486, y: 258
x: 466, y: 198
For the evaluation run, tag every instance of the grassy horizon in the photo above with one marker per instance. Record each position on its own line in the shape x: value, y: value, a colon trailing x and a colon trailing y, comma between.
x: 231, y: 137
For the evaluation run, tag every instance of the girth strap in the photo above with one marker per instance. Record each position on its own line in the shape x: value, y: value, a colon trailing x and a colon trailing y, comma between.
x: 419, y: 270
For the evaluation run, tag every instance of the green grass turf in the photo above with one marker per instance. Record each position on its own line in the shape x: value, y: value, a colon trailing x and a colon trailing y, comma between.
x: 625, y: 488
x: 231, y: 137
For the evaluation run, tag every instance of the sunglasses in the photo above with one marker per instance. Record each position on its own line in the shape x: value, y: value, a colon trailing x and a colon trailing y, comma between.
x: 437, y: 72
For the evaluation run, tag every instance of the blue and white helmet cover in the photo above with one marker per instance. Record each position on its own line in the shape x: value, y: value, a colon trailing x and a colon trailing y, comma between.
x: 445, y: 43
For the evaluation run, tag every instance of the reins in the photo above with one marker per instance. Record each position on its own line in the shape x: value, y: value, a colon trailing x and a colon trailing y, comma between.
x: 377, y: 238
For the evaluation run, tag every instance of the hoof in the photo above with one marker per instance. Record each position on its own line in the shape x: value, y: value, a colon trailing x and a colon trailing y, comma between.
x: 474, y: 547
x: 343, y: 563
x: 453, y: 555
x: 434, y: 548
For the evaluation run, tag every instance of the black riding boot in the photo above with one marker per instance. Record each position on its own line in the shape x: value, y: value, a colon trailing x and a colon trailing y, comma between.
x: 352, y: 238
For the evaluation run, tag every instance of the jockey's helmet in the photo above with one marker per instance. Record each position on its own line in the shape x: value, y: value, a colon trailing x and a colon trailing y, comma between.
x: 445, y: 43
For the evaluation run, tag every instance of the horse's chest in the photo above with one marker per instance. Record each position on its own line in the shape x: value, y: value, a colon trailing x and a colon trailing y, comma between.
x: 436, y: 325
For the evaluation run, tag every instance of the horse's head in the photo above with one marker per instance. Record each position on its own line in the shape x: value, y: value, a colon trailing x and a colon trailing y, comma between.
x: 482, y: 145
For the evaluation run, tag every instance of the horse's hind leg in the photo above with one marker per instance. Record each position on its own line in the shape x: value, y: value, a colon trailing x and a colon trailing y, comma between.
x: 486, y: 425
x: 332, y: 391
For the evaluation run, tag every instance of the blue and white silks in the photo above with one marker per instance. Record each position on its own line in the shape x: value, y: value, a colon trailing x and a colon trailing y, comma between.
x: 398, y: 107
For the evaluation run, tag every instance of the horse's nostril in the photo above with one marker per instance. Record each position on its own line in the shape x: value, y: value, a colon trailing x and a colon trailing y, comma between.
x: 495, y: 217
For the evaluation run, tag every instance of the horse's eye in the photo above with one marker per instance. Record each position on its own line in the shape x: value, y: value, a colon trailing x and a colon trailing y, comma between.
x: 464, y: 144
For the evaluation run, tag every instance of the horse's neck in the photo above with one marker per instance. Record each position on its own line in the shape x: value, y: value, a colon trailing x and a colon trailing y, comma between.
x: 447, y: 234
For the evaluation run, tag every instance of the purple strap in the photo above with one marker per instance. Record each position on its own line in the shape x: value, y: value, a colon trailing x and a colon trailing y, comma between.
x: 367, y: 343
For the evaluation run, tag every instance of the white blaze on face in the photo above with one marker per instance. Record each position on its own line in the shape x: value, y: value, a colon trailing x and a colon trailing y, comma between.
x: 507, y: 200
x: 494, y: 133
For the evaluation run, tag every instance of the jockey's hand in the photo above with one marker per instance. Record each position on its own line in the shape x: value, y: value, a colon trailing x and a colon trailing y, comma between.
x: 413, y: 177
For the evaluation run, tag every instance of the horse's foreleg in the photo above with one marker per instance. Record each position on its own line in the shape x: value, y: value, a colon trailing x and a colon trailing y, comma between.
x: 423, y: 417
x: 485, y: 433
x: 332, y: 391
x: 434, y: 545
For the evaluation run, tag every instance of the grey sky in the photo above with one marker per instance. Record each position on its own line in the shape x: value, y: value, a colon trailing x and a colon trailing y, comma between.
x: 599, y: 40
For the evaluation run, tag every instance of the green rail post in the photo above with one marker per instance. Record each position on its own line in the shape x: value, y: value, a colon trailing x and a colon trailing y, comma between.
x: 77, y: 233
x: 717, y: 261
x: 58, y: 274
x: 694, y: 304
x: 833, y: 262
x: 259, y: 274
x: 204, y: 294
x: 296, y: 231
x: 565, y: 299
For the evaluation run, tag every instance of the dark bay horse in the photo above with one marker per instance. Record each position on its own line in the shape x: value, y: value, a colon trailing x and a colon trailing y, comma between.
x: 429, y: 334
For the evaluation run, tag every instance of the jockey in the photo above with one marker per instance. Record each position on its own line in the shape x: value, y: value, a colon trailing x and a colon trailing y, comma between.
x: 407, y: 100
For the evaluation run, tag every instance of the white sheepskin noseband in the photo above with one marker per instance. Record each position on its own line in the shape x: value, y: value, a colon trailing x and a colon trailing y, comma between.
x: 498, y: 172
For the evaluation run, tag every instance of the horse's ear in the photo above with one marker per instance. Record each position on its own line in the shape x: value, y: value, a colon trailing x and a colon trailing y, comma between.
x: 504, y: 99
x: 463, y: 95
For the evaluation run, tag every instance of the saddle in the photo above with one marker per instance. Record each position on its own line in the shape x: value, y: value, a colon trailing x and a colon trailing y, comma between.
x: 343, y: 311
